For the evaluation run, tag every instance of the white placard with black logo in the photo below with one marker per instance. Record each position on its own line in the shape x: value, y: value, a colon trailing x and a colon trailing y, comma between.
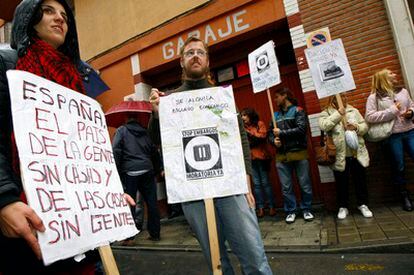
x: 264, y: 69
x: 201, y: 145
x: 330, y: 69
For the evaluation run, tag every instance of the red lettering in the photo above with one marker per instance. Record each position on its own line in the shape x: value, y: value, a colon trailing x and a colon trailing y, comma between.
x: 26, y: 89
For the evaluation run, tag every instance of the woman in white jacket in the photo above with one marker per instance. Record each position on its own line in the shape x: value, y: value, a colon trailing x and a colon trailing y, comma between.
x: 348, y: 161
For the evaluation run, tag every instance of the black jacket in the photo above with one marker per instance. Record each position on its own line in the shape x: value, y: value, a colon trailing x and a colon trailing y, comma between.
x: 10, y: 185
x: 293, y: 127
x: 134, y: 150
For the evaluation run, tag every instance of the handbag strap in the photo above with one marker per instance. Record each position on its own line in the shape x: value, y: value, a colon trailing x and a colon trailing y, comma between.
x: 322, y: 141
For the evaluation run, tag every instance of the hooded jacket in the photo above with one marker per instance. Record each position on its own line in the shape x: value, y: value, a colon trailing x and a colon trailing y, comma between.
x: 10, y: 185
x: 134, y: 150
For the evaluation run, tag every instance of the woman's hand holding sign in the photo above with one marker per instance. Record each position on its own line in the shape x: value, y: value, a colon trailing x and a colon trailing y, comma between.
x: 18, y: 220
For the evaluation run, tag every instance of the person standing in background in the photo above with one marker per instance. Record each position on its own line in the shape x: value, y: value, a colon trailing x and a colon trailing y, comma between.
x: 290, y: 139
x: 400, y: 109
x: 138, y: 162
x: 348, y: 161
x: 257, y: 135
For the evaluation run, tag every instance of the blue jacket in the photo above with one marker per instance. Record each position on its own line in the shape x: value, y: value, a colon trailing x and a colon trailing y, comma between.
x: 293, y: 127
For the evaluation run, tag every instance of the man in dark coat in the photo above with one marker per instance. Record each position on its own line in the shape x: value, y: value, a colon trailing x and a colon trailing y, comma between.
x: 138, y: 161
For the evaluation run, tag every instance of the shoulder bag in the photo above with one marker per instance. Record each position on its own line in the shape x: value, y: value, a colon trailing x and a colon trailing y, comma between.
x: 326, y: 153
x: 379, y: 131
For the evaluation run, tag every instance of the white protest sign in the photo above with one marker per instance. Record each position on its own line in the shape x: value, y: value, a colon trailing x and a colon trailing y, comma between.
x: 264, y: 69
x: 201, y: 145
x: 330, y: 69
x: 68, y: 170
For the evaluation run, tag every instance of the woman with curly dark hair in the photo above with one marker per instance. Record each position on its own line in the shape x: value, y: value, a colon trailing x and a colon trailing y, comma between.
x: 257, y: 133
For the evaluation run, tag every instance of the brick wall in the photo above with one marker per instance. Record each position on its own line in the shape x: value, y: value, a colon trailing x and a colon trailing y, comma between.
x: 367, y: 37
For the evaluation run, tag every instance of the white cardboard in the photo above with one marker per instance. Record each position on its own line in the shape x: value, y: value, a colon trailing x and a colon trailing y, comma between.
x: 201, y: 145
x: 264, y: 68
x: 330, y: 69
x: 59, y: 147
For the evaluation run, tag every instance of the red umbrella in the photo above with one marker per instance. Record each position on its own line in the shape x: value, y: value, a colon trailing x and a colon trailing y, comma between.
x: 118, y: 114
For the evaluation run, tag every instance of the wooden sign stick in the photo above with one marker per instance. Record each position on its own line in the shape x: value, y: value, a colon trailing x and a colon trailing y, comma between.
x: 341, y: 105
x: 269, y: 98
x: 213, y: 237
x: 108, y: 260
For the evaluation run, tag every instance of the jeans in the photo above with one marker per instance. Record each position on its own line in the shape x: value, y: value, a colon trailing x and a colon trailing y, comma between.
x: 236, y: 223
x: 262, y: 183
x: 285, y: 170
x: 146, y: 186
x: 358, y: 172
x: 400, y: 143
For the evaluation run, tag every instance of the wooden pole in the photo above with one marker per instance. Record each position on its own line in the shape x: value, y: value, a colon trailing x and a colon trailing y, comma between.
x: 108, y: 260
x: 213, y: 237
x: 341, y: 105
x: 269, y: 98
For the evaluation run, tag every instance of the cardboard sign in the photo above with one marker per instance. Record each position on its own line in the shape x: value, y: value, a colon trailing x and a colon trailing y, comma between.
x: 201, y: 145
x: 68, y: 169
x: 264, y: 69
x: 330, y: 69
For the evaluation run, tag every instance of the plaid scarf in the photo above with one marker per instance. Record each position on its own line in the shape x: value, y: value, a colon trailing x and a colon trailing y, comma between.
x: 43, y: 60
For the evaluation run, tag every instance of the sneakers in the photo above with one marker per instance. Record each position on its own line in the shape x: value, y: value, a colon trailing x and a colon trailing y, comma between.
x: 290, y: 218
x: 365, y: 211
x: 308, y: 216
x: 342, y: 213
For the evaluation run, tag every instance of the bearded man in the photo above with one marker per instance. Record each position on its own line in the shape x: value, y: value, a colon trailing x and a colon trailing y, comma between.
x: 236, y: 220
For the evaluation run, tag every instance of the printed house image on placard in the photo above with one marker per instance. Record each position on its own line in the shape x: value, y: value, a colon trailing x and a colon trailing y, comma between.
x: 329, y: 70
x: 202, y: 154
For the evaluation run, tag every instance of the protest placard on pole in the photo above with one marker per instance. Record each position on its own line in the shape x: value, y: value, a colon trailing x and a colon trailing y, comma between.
x: 201, y: 145
x: 264, y: 71
x: 68, y: 170
x: 330, y: 69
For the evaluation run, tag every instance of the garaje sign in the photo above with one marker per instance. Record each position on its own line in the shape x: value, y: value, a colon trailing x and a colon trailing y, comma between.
x: 220, y: 28
x: 67, y: 165
x: 233, y: 23
x: 201, y: 145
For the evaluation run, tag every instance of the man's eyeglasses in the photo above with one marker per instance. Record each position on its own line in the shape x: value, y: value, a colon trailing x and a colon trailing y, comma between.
x: 191, y: 53
x: 51, y: 11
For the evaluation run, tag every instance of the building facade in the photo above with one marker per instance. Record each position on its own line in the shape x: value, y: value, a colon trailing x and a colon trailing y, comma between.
x: 135, y: 44
x: 376, y: 34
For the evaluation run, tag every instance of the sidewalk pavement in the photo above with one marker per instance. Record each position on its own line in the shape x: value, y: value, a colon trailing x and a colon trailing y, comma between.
x: 391, y: 229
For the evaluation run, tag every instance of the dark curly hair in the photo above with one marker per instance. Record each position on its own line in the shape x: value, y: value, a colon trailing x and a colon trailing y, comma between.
x: 251, y: 114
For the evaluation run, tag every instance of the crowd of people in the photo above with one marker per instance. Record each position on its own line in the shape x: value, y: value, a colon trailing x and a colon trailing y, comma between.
x: 45, y: 43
